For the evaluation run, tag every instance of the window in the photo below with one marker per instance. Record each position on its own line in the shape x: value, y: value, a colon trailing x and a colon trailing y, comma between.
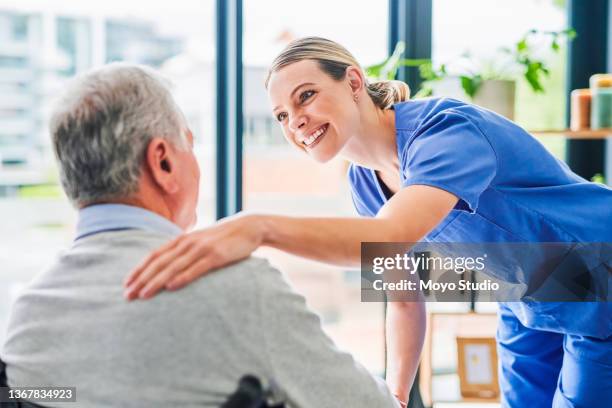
x: 73, y: 43
x: 481, y: 27
x: 279, y: 179
x: 13, y: 62
x: 19, y: 28
x: 42, y: 45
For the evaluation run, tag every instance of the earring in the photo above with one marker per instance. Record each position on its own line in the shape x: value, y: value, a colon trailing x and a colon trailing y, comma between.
x: 355, y: 97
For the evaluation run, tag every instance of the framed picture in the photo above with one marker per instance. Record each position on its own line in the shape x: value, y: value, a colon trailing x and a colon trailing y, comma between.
x: 477, y: 367
x: 439, y: 357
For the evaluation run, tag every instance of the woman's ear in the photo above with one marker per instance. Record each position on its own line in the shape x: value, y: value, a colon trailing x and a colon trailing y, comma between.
x: 355, y: 79
x: 159, y: 160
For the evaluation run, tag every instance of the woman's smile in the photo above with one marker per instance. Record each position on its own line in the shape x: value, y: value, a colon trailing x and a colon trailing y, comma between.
x: 314, y: 137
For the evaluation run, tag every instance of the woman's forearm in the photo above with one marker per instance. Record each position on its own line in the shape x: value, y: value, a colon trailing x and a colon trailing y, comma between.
x: 406, y: 217
x: 331, y: 240
x: 406, y: 323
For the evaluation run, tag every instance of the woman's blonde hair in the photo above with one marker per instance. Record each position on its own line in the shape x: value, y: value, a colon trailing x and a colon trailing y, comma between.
x: 333, y: 60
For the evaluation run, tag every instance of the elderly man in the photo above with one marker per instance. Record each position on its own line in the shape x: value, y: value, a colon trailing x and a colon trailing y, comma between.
x: 126, y: 162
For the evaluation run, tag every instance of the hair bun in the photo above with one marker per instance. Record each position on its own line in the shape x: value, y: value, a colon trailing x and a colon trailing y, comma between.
x: 386, y: 93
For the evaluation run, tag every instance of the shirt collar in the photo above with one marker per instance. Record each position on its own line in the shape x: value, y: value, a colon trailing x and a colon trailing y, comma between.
x: 115, y: 217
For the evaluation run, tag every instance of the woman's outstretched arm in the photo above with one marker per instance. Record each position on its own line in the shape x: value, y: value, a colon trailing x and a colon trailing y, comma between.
x: 407, y: 217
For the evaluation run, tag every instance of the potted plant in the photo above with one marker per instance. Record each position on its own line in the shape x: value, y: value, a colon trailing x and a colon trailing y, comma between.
x: 486, y: 82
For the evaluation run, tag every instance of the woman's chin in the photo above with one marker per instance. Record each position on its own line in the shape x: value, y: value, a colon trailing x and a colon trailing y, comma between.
x: 323, y: 156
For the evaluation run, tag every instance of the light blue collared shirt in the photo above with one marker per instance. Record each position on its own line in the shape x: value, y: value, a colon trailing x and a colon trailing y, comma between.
x: 116, y: 217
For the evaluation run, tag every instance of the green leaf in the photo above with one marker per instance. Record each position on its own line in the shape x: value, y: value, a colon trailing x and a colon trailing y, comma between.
x: 471, y: 84
x: 388, y: 68
x: 570, y: 33
x: 374, y: 70
x: 426, y: 90
x: 427, y: 72
x: 521, y: 45
x: 40, y: 191
x: 555, y: 45
x: 414, y: 62
x: 399, y: 49
x: 389, y: 71
x: 598, y: 178
x: 533, y: 77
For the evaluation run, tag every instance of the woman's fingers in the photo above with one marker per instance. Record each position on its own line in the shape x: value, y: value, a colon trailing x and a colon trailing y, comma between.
x: 174, y: 268
x: 138, y: 281
x: 158, y: 262
x: 192, y: 256
x: 192, y: 273
x: 133, y: 276
x: 157, y: 266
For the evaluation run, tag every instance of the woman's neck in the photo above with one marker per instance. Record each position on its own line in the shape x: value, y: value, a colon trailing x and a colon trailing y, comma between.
x: 374, y: 145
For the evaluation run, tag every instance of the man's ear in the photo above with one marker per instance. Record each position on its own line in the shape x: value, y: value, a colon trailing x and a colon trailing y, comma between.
x: 355, y: 79
x: 160, y: 160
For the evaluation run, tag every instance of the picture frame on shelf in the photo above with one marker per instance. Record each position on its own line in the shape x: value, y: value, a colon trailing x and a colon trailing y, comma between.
x: 477, y: 367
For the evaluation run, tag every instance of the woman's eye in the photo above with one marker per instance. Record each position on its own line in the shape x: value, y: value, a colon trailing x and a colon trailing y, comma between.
x: 281, y: 116
x: 305, y: 95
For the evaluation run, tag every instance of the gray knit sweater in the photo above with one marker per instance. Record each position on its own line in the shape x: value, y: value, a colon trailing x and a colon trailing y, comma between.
x: 72, y: 327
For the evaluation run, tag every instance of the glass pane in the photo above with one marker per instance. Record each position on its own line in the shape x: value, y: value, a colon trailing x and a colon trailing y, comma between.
x: 42, y: 45
x: 502, y: 23
x: 279, y: 179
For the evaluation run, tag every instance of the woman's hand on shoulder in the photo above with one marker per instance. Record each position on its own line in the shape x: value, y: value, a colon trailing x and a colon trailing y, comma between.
x: 193, y: 255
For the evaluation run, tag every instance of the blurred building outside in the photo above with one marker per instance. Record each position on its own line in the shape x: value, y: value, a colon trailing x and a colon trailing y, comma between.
x: 40, y: 52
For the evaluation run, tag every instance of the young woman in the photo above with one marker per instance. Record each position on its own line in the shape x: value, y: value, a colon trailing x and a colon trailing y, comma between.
x: 433, y: 169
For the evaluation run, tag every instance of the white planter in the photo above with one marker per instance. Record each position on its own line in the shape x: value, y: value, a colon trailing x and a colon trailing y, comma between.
x: 497, y: 95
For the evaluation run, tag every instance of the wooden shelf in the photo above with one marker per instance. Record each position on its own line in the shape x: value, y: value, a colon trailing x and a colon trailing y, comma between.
x: 575, y: 134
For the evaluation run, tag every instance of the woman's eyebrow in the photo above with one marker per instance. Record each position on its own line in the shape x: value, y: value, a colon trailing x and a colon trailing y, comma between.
x: 299, y: 86
x: 294, y: 90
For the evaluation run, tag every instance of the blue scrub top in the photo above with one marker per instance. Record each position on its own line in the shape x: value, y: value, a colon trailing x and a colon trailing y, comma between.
x: 510, y: 189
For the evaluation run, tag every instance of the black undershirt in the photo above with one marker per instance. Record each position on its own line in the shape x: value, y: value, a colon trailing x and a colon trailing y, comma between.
x: 386, y: 191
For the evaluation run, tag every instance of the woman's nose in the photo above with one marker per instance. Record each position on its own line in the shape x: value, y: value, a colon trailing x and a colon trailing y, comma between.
x: 297, y: 122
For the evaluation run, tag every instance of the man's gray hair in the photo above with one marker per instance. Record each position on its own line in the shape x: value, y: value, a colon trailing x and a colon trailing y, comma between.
x: 101, y: 128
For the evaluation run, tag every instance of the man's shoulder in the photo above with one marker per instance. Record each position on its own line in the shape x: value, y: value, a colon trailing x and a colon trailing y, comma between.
x: 117, y: 252
x: 248, y: 276
x: 96, y: 266
x: 100, y: 257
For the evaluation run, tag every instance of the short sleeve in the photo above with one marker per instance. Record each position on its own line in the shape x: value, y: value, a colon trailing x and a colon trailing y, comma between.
x: 450, y: 152
x: 361, y: 192
x: 359, y: 207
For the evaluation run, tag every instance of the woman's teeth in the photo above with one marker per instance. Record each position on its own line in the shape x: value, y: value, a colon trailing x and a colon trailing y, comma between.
x: 310, y: 140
